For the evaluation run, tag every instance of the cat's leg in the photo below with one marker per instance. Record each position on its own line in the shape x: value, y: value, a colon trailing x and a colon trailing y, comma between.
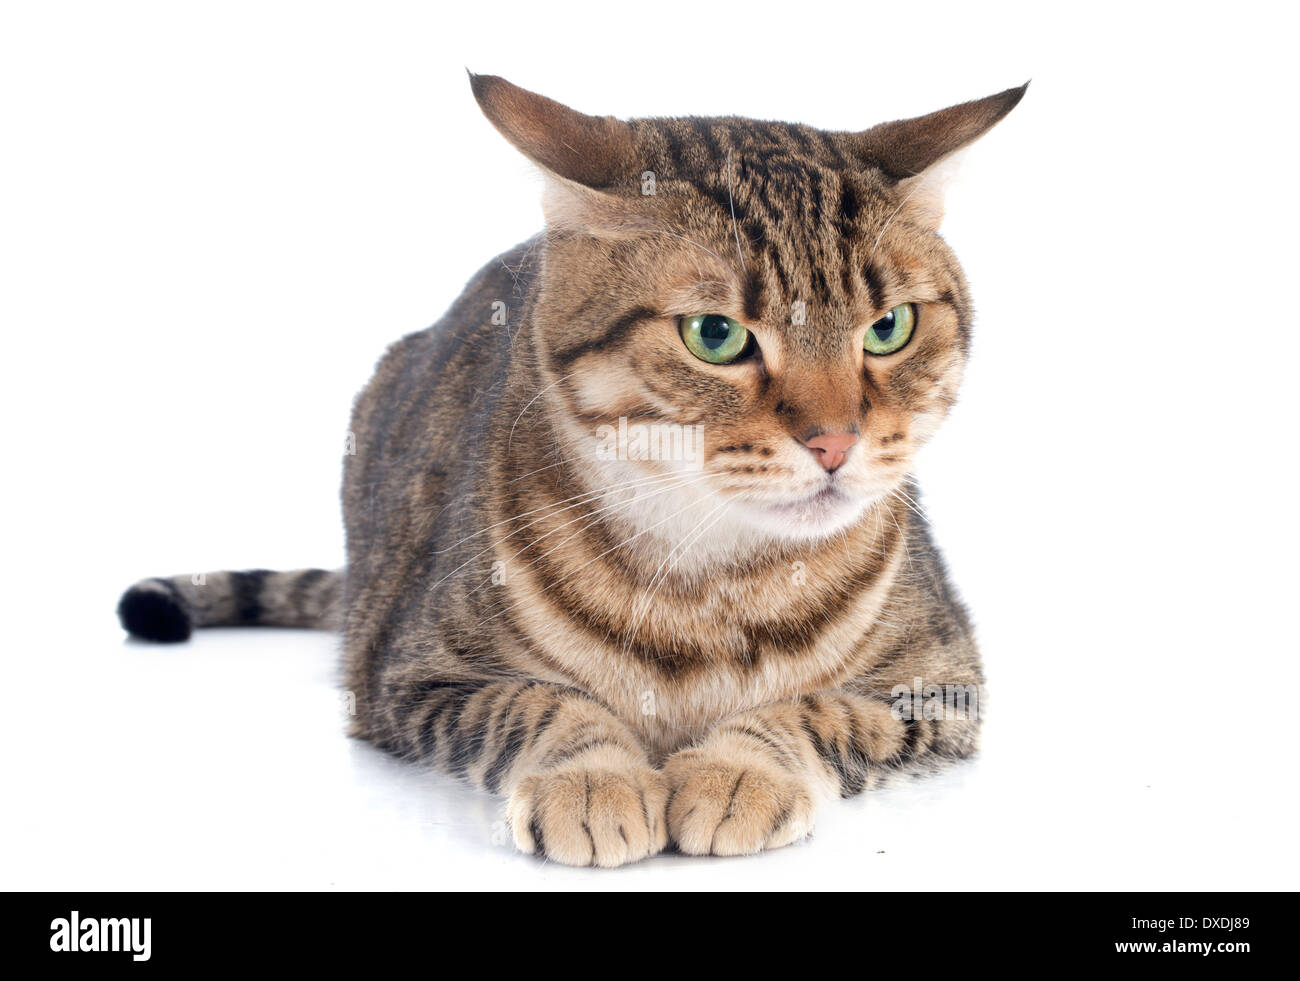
x: 580, y: 787
x: 755, y: 780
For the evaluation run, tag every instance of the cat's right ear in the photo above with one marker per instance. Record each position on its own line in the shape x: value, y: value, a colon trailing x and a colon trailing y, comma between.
x: 582, y: 157
x: 921, y: 154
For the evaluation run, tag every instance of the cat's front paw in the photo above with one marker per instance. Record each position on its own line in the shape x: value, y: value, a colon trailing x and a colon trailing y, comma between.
x: 591, y: 814
x: 734, y: 805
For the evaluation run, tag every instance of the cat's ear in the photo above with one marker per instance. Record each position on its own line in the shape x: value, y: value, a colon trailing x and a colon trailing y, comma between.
x: 922, y: 154
x: 579, y: 155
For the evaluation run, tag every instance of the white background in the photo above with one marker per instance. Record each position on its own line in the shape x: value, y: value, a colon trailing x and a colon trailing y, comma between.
x: 215, y: 217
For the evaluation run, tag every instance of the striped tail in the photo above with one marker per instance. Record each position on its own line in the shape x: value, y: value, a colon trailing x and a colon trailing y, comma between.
x: 168, y: 609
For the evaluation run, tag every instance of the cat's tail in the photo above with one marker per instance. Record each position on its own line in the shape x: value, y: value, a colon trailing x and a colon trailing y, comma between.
x: 168, y: 609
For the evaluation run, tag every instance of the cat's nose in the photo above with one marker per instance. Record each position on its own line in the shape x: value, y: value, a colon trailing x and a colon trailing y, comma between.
x: 830, y: 449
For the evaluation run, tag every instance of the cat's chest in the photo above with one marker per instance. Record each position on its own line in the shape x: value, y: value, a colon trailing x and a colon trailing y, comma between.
x: 675, y: 661
x: 675, y: 693
x: 671, y: 711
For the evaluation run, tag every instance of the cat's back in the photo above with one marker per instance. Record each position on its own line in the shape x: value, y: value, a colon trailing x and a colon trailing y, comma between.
x: 420, y: 425
x: 468, y: 347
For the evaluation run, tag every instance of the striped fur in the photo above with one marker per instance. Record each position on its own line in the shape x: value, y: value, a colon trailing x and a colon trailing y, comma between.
x: 635, y: 651
x: 170, y: 608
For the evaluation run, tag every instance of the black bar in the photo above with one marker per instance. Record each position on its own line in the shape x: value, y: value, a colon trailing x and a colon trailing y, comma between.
x: 926, y: 932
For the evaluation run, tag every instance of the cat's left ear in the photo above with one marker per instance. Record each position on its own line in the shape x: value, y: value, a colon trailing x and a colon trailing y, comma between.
x: 922, y: 154
x: 582, y: 157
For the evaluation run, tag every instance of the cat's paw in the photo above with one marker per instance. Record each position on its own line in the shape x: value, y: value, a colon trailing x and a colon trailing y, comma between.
x: 720, y: 805
x: 591, y: 815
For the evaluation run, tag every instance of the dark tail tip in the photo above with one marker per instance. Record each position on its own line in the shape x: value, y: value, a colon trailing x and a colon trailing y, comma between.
x: 148, y: 610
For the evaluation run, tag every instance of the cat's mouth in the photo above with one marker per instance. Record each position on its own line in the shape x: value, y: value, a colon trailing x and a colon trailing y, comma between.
x: 822, y: 512
x: 813, y: 504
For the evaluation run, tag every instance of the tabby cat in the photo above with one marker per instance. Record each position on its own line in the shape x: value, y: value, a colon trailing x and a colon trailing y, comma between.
x: 631, y: 536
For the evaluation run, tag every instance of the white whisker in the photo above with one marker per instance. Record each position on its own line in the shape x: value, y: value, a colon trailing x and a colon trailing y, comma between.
x: 612, y: 548
x: 687, y: 540
x: 732, y: 202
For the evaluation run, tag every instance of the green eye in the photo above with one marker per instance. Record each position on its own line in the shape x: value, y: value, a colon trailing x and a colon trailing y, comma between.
x: 714, y: 338
x: 892, y: 331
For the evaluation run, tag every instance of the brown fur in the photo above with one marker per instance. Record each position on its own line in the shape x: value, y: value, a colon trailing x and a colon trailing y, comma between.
x: 633, y: 663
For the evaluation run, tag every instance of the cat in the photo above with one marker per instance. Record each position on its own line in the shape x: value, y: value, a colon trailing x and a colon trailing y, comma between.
x: 693, y: 639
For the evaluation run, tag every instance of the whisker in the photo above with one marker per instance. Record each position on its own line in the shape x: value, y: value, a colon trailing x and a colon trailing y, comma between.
x: 912, y: 505
x: 588, y: 520
x: 919, y: 185
x: 587, y: 494
x: 511, y: 437
x: 493, y: 545
x: 612, y: 548
x: 661, y: 231
x: 902, y: 538
x: 687, y: 540
x: 732, y: 202
x: 549, y: 466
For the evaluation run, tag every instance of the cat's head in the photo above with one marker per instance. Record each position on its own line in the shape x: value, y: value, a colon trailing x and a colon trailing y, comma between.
x: 764, y: 310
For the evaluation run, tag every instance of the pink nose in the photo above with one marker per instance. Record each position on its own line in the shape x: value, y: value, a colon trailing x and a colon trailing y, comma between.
x: 831, y: 448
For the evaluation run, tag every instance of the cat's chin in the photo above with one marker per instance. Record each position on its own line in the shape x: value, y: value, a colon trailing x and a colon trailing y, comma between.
x: 817, y: 516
